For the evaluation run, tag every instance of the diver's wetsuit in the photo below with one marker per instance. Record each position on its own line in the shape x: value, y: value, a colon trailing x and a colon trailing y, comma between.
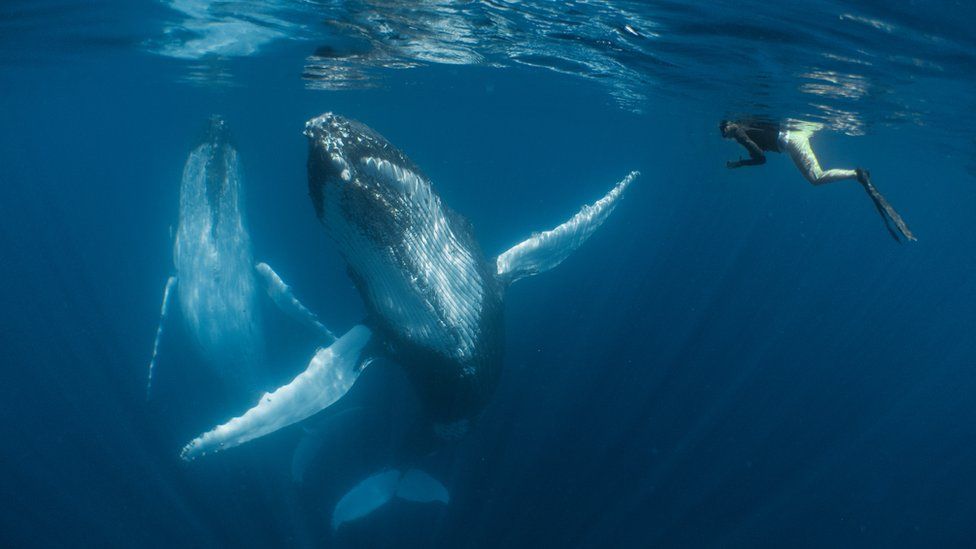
x: 758, y: 137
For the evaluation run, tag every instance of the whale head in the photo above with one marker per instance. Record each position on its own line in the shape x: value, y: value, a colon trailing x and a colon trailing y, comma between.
x: 347, y: 154
x: 220, y: 159
x: 426, y: 284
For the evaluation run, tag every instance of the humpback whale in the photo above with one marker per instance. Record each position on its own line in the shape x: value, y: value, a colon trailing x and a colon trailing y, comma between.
x: 216, y: 281
x: 434, y: 300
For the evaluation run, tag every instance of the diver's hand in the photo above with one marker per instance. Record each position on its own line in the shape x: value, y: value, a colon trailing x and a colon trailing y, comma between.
x: 732, y: 165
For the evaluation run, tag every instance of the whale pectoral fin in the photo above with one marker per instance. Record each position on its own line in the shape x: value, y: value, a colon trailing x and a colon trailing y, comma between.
x: 283, y: 296
x: 329, y: 375
x: 376, y: 490
x: 543, y: 251
x: 164, y: 309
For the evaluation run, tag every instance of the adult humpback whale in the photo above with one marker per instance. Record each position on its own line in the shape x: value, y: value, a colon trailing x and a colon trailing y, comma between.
x: 434, y: 300
x: 215, y: 278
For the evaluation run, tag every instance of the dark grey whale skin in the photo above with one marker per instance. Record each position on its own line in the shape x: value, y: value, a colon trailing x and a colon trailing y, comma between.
x: 451, y: 390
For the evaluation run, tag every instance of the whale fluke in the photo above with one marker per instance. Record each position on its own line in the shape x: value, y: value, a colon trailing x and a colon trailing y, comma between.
x: 164, y: 309
x: 545, y: 250
x: 416, y: 485
x: 285, y: 299
x: 329, y: 375
x: 376, y: 490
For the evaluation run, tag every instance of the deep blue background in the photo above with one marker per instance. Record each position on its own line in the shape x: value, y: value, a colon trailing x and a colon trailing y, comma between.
x: 735, y: 358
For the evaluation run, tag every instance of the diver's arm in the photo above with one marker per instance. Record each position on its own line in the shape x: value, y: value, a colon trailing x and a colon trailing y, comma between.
x: 756, y: 156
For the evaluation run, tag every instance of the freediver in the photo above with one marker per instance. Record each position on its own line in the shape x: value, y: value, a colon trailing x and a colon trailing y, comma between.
x: 759, y: 137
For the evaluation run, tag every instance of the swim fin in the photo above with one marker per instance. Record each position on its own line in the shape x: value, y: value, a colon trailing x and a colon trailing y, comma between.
x: 884, y: 208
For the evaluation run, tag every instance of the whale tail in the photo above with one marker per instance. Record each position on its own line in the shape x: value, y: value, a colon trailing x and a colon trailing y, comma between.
x: 329, y: 375
x: 377, y: 490
x: 545, y: 250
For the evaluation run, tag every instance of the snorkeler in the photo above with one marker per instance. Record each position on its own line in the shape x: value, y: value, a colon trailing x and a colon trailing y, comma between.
x: 759, y: 137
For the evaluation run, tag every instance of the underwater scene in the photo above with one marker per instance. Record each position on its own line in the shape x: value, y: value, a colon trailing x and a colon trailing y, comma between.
x: 487, y: 273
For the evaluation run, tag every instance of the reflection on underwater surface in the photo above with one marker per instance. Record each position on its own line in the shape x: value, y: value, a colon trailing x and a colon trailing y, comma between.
x: 854, y: 63
x: 736, y: 359
x: 838, y: 52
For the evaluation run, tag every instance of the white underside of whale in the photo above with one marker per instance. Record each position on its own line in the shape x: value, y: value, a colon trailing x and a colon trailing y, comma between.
x: 437, y: 301
x: 215, y: 283
x: 214, y: 266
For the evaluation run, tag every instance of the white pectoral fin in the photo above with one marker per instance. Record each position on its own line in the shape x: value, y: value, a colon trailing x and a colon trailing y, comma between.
x: 285, y: 299
x: 329, y: 375
x: 543, y: 251
x: 375, y: 491
x: 164, y: 310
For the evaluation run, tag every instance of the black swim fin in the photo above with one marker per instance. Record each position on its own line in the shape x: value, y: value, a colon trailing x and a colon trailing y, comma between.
x: 885, y: 209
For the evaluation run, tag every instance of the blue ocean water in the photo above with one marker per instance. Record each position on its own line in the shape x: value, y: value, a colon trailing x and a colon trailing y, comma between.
x: 736, y: 358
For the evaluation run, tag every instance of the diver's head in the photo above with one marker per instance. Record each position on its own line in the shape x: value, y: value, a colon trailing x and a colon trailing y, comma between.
x: 726, y: 127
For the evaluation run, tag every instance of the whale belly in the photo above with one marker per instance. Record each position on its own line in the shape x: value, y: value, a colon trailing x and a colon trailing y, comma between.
x: 212, y: 253
x: 415, y: 274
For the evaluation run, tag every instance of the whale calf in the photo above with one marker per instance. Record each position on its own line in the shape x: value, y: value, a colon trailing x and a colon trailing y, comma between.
x: 216, y: 282
x: 434, y: 300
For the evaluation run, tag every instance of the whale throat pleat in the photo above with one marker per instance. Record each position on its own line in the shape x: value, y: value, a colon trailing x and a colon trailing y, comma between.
x: 428, y: 283
x: 217, y: 290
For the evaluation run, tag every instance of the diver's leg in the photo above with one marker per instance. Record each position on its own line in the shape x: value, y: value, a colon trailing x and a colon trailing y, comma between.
x: 836, y: 174
x: 167, y: 292
x: 285, y: 299
x: 797, y: 145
